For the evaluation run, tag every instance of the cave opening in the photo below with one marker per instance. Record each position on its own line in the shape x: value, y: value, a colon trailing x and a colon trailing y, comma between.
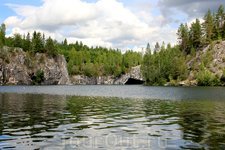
x: 134, y: 81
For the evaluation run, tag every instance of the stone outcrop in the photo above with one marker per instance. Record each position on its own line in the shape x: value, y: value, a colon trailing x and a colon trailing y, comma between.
x: 216, y: 66
x: 18, y: 68
x: 1, y: 72
x: 134, y: 73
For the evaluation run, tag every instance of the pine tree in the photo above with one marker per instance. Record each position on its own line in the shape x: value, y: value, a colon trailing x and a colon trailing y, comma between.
x: 17, y: 40
x: 208, y: 25
x: 39, y: 43
x: 215, y: 31
x: 147, y: 67
x: 2, y: 34
x: 65, y: 42
x: 28, y: 43
x: 50, y: 47
x: 223, y: 32
x: 73, y: 55
x: 196, y: 33
x: 157, y: 47
x: 220, y: 15
x: 183, y: 36
x: 43, y: 42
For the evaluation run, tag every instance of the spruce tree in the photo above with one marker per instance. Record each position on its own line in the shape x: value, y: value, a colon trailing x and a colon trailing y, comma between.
x: 196, y: 33
x: 183, y: 36
x: 28, y: 42
x: 157, y: 47
x: 2, y: 34
x: 50, y: 47
x: 220, y: 15
x: 208, y: 25
x: 17, y: 40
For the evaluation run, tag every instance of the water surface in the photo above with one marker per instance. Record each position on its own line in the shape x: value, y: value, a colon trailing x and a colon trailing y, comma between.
x: 133, y: 91
x: 111, y: 117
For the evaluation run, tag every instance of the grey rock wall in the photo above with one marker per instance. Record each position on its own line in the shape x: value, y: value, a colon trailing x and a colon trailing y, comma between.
x: 216, y: 65
x: 21, y: 69
x: 1, y: 73
x: 134, y: 73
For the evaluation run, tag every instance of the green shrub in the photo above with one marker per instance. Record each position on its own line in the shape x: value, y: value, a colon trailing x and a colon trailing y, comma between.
x: 123, y: 70
x: 104, y: 73
x: 220, y: 67
x: 195, y: 74
x: 39, y: 77
x: 206, y: 79
x: 223, y: 59
x: 216, y: 80
x: 11, y: 49
x: 192, y: 51
x: 7, y: 60
x: 223, y: 76
x: 116, y: 70
x: 75, y: 70
x: 208, y: 59
x: 88, y: 70
x: 218, y: 42
x: 70, y: 67
x: 41, y: 59
x: 173, y: 83
x: 28, y: 60
x: 215, y: 65
x: 4, y: 78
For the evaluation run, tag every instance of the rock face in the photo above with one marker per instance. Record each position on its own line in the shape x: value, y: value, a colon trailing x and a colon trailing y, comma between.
x: 216, y: 66
x: 18, y: 68
x: 134, y: 73
x: 1, y: 72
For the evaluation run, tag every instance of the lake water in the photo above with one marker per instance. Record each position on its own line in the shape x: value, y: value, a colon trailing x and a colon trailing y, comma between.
x: 112, y: 117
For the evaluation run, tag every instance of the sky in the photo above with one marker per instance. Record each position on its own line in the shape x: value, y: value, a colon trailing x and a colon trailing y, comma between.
x: 122, y: 24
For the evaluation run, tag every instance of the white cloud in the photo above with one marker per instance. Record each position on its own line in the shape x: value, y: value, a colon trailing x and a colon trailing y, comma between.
x: 147, y: 17
x: 55, y: 14
x: 106, y: 23
x: 23, y: 10
x: 139, y: 49
x: 160, y: 19
x: 145, y: 6
x: 12, y: 21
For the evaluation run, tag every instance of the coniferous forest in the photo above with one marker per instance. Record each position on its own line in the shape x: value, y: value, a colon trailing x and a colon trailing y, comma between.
x: 80, y: 58
x: 165, y: 63
x: 168, y: 64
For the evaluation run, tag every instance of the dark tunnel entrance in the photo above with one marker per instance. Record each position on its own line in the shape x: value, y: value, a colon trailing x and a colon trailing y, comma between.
x: 134, y: 81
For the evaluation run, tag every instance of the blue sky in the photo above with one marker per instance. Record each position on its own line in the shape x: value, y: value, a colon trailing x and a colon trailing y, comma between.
x: 119, y: 24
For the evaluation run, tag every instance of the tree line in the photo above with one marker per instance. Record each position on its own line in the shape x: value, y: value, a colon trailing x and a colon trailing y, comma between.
x: 80, y: 58
x: 168, y: 64
x: 210, y: 30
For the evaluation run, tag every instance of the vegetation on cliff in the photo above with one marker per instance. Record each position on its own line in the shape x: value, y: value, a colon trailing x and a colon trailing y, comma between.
x: 81, y: 58
x: 174, y: 64
x: 199, y: 56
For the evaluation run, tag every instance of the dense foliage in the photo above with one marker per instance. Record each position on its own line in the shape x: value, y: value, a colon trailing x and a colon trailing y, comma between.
x: 81, y: 58
x: 164, y: 65
x: 169, y: 64
x: 39, y: 77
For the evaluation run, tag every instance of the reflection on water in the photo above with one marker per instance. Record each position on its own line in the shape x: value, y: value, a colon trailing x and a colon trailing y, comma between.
x: 37, y: 121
